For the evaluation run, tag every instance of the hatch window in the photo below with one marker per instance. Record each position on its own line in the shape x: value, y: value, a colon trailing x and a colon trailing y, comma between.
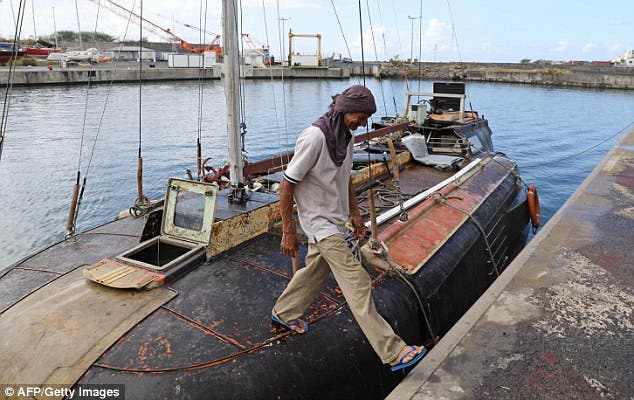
x: 190, y: 210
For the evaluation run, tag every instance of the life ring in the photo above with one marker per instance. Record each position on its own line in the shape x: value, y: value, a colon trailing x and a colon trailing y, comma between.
x: 533, y: 206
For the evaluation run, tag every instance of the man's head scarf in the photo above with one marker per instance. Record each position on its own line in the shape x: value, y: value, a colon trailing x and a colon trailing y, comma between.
x: 355, y: 99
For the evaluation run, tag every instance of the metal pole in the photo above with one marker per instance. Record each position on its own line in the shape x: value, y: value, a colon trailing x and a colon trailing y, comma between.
x: 81, y: 47
x: 283, y: 19
x: 55, y: 28
x: 411, y: 54
x: 231, y: 84
x: 33, y: 13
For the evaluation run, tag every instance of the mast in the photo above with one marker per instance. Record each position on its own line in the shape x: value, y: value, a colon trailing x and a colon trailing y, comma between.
x: 232, y: 88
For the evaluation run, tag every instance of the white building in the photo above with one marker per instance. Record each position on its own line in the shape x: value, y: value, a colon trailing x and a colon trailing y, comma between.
x: 131, y: 53
x: 626, y: 61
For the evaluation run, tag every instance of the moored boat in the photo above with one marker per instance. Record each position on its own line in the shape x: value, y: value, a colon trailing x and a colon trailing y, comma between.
x: 176, y: 303
x: 40, y: 51
x: 9, y: 52
x: 208, y: 325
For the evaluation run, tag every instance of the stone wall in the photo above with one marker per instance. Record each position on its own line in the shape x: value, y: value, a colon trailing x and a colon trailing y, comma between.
x: 559, y: 75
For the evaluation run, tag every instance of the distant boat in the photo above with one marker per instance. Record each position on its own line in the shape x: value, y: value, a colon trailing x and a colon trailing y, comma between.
x: 89, y: 55
x: 8, y: 51
x: 41, y: 51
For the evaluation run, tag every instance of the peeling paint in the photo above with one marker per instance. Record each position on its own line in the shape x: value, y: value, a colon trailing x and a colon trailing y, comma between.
x: 587, y: 302
x: 512, y: 307
x: 504, y: 363
x: 445, y: 383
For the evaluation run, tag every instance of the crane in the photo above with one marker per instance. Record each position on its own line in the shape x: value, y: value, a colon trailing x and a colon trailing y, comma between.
x: 160, y: 31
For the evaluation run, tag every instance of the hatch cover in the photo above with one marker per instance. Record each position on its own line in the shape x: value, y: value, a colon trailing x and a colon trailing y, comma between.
x: 190, y: 208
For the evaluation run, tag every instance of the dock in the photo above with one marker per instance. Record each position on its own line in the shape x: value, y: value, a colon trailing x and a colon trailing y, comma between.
x: 128, y: 72
x: 560, y: 75
x: 558, y: 323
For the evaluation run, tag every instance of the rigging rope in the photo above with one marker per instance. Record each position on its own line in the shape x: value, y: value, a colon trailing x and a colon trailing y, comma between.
x: 78, y: 201
x: 201, y: 75
x: 420, y: 44
x: 280, y: 146
x: 78, y: 194
x: 281, y: 38
x: 581, y: 152
x: 378, y: 6
x: 243, y: 123
x: 334, y: 9
x: 141, y: 204
x: 7, y: 98
x: 376, y: 55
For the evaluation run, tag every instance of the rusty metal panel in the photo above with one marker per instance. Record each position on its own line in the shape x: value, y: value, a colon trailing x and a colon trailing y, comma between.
x: 166, y: 340
x: 245, y: 316
x: 237, y: 230
x: 435, y: 220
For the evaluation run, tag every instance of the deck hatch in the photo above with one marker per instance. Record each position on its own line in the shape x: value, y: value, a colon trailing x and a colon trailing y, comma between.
x: 190, y: 208
x: 185, y: 229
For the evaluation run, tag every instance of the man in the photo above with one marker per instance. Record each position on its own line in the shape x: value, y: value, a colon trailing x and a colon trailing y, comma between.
x: 318, y: 177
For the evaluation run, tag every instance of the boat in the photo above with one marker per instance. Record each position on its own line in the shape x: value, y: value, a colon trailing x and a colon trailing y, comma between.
x: 41, y: 51
x: 176, y: 303
x: 8, y: 52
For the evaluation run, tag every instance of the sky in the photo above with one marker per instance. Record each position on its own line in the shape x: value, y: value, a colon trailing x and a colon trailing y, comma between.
x: 431, y: 30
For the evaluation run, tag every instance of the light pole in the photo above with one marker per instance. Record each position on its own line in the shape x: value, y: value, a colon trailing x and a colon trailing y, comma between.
x: 411, y: 54
x: 284, y: 19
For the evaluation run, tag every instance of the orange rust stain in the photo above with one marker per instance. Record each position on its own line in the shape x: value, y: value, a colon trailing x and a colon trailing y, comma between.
x: 430, y: 224
x: 142, y: 354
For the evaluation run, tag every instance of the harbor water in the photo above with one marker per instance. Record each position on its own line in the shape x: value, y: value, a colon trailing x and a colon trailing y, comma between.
x: 557, y: 135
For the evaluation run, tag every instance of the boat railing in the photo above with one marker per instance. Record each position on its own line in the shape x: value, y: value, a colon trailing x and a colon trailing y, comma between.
x: 275, y: 164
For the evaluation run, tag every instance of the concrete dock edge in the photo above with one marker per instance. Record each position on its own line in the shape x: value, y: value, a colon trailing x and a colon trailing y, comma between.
x: 497, y: 340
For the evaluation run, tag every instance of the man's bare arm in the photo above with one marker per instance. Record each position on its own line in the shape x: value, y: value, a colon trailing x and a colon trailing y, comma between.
x: 289, y: 244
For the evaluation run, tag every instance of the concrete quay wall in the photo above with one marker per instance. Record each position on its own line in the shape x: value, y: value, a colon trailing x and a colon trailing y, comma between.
x: 78, y: 75
x: 554, y: 75
x: 24, y: 76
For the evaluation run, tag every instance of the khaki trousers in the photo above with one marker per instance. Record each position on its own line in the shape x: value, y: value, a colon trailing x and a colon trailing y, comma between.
x: 332, y: 253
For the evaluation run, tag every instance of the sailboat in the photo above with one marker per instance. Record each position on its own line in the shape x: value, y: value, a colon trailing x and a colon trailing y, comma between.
x: 177, y: 304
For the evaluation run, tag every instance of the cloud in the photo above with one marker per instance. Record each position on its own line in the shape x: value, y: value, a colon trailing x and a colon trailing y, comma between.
x: 562, y: 45
x: 615, y: 47
x: 589, y: 47
x: 438, y: 31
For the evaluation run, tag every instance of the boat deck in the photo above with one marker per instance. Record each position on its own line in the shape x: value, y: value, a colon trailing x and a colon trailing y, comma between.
x: 558, y: 321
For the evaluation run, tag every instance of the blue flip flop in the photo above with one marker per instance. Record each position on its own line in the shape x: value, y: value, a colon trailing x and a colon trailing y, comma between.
x: 299, y: 324
x: 413, y: 361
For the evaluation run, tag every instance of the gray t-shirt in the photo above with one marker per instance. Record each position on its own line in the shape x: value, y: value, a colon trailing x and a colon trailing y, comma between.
x: 321, y: 188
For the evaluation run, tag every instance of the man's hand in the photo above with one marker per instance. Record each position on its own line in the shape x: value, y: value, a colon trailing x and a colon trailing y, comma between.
x: 289, y: 244
x: 359, y: 226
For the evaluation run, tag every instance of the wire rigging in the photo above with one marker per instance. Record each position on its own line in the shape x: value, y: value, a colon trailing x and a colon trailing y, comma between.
x: 7, y: 94
x: 580, y: 152
x: 455, y: 38
x: 420, y: 44
x: 281, y: 146
x: 378, y: 6
x: 243, y: 123
x: 281, y: 38
x: 376, y: 54
x: 202, y: 21
x: 99, y: 125
x: 343, y: 35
